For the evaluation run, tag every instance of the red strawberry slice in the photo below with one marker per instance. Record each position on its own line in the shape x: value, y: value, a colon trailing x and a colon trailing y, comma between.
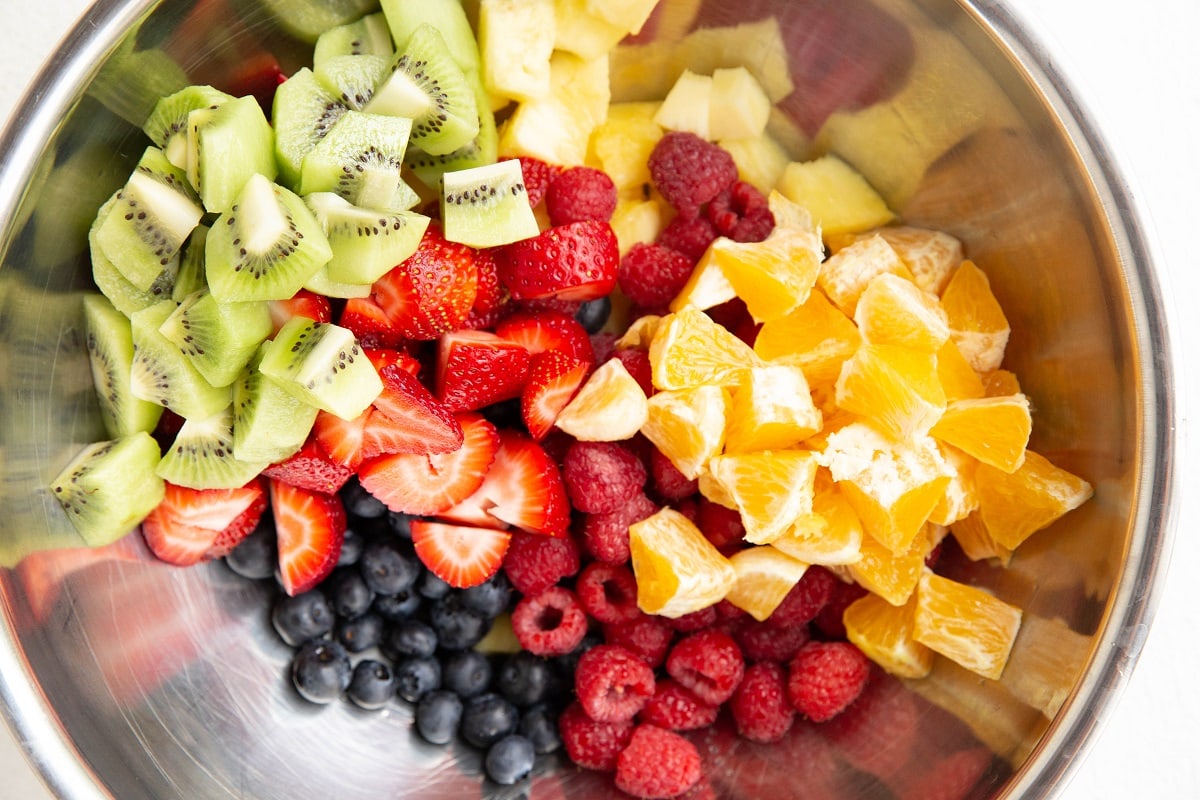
x: 426, y: 484
x: 568, y: 262
x: 370, y: 324
x: 523, y: 488
x: 539, y: 331
x: 341, y: 439
x: 309, y: 530
x: 311, y: 468
x: 302, y: 304
x: 409, y: 419
x: 491, y: 298
x: 383, y: 358
x: 477, y: 368
x: 554, y: 377
x: 461, y: 556
x: 432, y: 291
x: 194, y: 525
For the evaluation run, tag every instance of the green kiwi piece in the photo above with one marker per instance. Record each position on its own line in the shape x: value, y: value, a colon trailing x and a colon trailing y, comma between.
x: 110, y: 352
x: 360, y: 159
x: 167, y: 125
x: 201, y: 457
x: 113, y: 284
x: 353, y: 78
x: 110, y: 487
x: 162, y: 374
x: 448, y: 16
x: 302, y: 112
x: 265, y: 247
x: 306, y: 20
x: 225, y: 146
x: 487, y: 206
x: 269, y: 422
x: 149, y: 219
x: 367, y: 36
x: 190, y: 276
x: 322, y: 283
x: 429, y: 87
x: 323, y: 365
x: 218, y: 338
x: 365, y: 243
x: 482, y: 150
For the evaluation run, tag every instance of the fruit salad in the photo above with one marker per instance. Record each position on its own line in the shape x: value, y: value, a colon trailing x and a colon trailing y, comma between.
x: 577, y: 425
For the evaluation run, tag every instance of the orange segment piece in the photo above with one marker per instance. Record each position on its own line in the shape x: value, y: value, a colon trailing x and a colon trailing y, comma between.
x: 1014, y: 505
x: 845, y: 275
x: 609, y: 407
x: 885, y: 634
x: 977, y: 323
x: 690, y: 350
x: 975, y: 541
x: 960, y: 497
x: 772, y: 410
x: 895, y: 387
x: 959, y: 379
x: 764, y: 577
x: 965, y: 624
x: 706, y: 287
x: 640, y: 332
x: 770, y: 490
x: 688, y: 425
x: 893, y: 310
x: 817, y: 337
x: 931, y: 256
x: 832, y: 534
x: 994, y: 430
x: 892, y: 576
x: 677, y: 570
x: 1000, y: 382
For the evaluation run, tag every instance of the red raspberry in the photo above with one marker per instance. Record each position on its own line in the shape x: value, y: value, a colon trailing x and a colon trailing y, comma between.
x: 951, y: 777
x: 581, y: 193
x: 727, y: 612
x: 879, y: 731
x: 535, y: 562
x: 537, y: 176
x: 651, y: 275
x: 689, y: 171
x: 669, y: 482
x: 690, y: 508
x: 695, y: 621
x: 612, y: 683
x: 604, y: 346
x: 805, y: 600
x: 730, y: 314
x: 675, y: 708
x: 646, y: 636
x: 657, y: 764
x: 637, y: 363
x: 825, y: 677
x: 709, y: 663
x: 600, y: 477
x: 741, y: 213
x: 551, y: 623
x: 720, y: 525
x: 606, y: 536
x: 761, y: 641
x: 591, y: 744
x: 760, y: 705
x: 690, y: 236
x: 829, y: 620
x: 607, y: 592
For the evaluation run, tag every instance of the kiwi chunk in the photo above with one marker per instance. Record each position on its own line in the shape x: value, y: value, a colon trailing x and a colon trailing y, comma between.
x: 265, y: 247
x: 487, y: 206
x: 201, y: 457
x: 190, y: 277
x: 225, y: 146
x: 482, y: 150
x: 429, y: 87
x: 323, y: 365
x: 113, y: 284
x: 366, y: 36
x: 110, y: 487
x: 321, y: 283
x: 217, y: 338
x: 148, y: 220
x: 303, y: 112
x: 110, y: 352
x: 167, y: 125
x: 269, y: 422
x: 353, y: 78
x: 162, y: 374
x: 308, y: 19
x: 365, y: 243
x: 448, y: 16
x: 360, y: 159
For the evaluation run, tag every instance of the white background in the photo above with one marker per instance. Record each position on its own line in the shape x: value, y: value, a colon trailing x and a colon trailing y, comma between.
x: 1137, y: 68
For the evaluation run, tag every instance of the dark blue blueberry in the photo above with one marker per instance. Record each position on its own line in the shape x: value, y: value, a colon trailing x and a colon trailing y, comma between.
x: 487, y: 718
x: 255, y: 556
x: 397, y: 607
x: 525, y: 679
x: 431, y: 587
x: 361, y: 633
x: 437, y: 716
x: 594, y: 313
x: 539, y: 724
x: 303, y: 617
x: 417, y: 676
x: 321, y: 671
x: 466, y: 672
x: 372, y: 684
x: 348, y: 593
x: 387, y: 569
x: 410, y: 637
x: 457, y: 627
x: 505, y: 414
x: 400, y: 524
x: 509, y: 760
x: 489, y: 598
x: 361, y: 503
x: 352, y: 547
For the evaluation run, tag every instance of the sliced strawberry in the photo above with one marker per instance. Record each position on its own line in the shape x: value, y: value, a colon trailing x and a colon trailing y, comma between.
x: 409, y: 419
x: 312, y: 468
x: 539, y: 331
x: 363, y: 317
x: 194, y: 525
x: 477, y: 368
x: 383, y: 358
x: 341, y: 439
x: 554, y: 377
x: 461, y: 556
x: 309, y: 530
x: 432, y: 291
x: 425, y: 484
x: 302, y: 304
x: 568, y: 262
x: 523, y: 488
x: 491, y: 298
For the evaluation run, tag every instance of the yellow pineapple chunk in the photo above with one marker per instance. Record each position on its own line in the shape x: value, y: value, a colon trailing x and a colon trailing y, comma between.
x: 838, y: 196
x: 965, y: 623
x: 516, y: 40
x: 686, y: 106
x: 558, y: 127
x: 738, y: 106
x: 760, y: 160
x: 1045, y: 660
x: 637, y: 221
x: 621, y: 145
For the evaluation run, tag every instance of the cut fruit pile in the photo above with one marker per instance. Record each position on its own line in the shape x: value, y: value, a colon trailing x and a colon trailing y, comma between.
x: 643, y: 412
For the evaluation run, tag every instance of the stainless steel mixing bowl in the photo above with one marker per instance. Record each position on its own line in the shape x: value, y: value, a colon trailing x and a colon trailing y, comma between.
x: 125, y: 678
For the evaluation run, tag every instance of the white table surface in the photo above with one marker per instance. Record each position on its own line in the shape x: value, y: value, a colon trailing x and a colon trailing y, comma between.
x: 1139, y: 73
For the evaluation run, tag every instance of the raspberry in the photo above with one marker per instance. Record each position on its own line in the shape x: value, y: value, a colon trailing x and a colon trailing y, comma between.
x: 761, y: 641
x: 720, y: 525
x: 805, y: 600
x: 669, y: 482
x: 825, y: 677
x: 829, y: 620
x: 651, y: 275
x: 741, y: 213
x: 760, y: 705
x: 606, y: 536
x: 695, y: 621
x: 690, y: 236
x: 604, y: 346
x: 709, y: 663
x: 689, y: 171
x: 646, y: 636
x: 951, y: 777
x: 607, y: 592
x: 535, y: 562
x: 537, y: 176
x: 878, y: 732
x: 675, y: 708
x: 727, y: 612
x: 591, y: 744
x: 551, y: 623
x: 581, y: 193
x: 637, y: 363
x: 612, y: 683
x: 690, y: 508
x: 600, y: 477
x: 657, y: 763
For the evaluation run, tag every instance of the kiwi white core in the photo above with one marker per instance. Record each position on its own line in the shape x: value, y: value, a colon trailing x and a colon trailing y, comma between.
x: 263, y: 220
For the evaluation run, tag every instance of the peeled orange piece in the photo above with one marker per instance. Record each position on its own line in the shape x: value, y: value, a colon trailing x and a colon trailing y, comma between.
x: 764, y: 577
x: 931, y: 256
x: 960, y: 497
x: 690, y: 350
x: 677, y: 570
x: 640, y: 332
x: 609, y: 407
x: 892, y: 576
x: 1000, y: 382
x: 706, y: 287
x: 771, y: 410
x: 977, y: 323
x: 831, y: 535
x: 817, y: 337
x: 885, y: 634
x: 965, y: 624
x: 975, y: 541
x: 845, y: 274
x: 959, y: 379
x: 894, y: 310
x: 1014, y: 505
x: 897, y: 388
x: 688, y: 425
x: 994, y: 430
x: 770, y: 490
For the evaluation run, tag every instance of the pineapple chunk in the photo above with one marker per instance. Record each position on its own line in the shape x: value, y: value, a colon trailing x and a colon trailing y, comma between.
x: 622, y: 146
x: 738, y: 106
x: 839, y: 197
x: 687, y: 106
x: 558, y: 127
x: 628, y: 15
x: 577, y: 30
x: 516, y: 40
x: 637, y: 221
x: 760, y: 160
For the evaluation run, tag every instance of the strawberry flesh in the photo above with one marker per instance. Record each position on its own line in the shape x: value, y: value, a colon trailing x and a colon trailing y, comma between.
x: 432, y: 291
x: 311, y: 468
x: 341, y: 439
x: 194, y: 525
x: 577, y: 261
x: 476, y: 369
x: 554, y: 377
x: 422, y: 423
x: 304, y: 303
x: 539, y: 331
x: 370, y: 324
x: 309, y: 530
x: 461, y: 556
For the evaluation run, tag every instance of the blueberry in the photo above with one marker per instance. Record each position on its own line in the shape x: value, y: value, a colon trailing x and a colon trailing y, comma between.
x: 457, y: 626
x: 321, y: 671
x: 409, y: 638
x: 539, y: 724
x: 417, y: 676
x: 525, y: 679
x: 505, y: 414
x: 466, y: 672
x: 509, y: 760
x: 255, y: 556
x: 431, y: 587
x: 566, y: 664
x: 361, y: 633
x: 400, y: 524
x: 348, y: 592
x: 372, y: 684
x: 397, y: 607
x: 388, y: 570
x: 303, y: 617
x: 593, y: 314
x: 437, y: 716
x: 489, y: 598
x: 486, y: 719
x: 352, y: 547
x: 361, y: 503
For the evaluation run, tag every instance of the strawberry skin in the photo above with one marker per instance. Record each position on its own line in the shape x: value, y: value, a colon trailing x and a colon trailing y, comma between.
x: 461, y: 556
x: 311, y: 468
x: 420, y: 423
x: 491, y: 298
x: 382, y: 358
x: 539, y: 331
x: 432, y: 291
x: 302, y: 304
x: 477, y: 368
x: 577, y: 262
x: 194, y: 525
x: 309, y: 530
x: 370, y: 324
x: 554, y: 377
